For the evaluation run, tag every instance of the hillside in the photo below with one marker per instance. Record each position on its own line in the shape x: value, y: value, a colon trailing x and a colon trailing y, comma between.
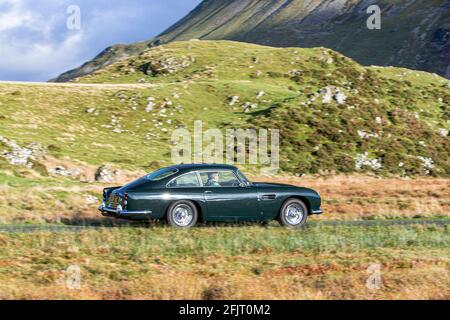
x: 415, y: 34
x: 334, y: 115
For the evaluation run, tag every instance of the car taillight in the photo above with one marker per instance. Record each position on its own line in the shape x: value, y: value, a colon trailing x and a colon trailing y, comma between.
x: 125, y: 199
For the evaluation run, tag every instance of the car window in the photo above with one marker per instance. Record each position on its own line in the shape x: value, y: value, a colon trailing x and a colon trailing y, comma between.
x: 219, y: 179
x: 161, y: 174
x: 186, y: 181
x: 243, y: 177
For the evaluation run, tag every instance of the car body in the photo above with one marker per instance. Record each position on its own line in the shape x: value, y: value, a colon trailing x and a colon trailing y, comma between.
x: 231, y: 198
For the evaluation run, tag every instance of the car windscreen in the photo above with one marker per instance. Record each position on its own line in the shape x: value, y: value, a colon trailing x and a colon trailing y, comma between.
x: 161, y: 174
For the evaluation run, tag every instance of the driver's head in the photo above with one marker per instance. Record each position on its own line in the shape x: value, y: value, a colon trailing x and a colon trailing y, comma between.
x: 214, y: 176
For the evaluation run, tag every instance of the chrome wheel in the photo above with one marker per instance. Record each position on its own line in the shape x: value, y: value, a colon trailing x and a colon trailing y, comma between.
x: 182, y: 215
x: 294, y: 214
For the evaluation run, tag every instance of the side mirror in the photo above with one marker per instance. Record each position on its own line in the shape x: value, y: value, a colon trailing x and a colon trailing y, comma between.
x: 243, y: 185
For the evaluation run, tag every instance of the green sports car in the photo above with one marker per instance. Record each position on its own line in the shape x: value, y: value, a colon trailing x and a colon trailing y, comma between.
x: 187, y: 194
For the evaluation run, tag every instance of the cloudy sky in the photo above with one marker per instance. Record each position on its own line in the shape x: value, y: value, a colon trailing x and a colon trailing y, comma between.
x: 36, y: 44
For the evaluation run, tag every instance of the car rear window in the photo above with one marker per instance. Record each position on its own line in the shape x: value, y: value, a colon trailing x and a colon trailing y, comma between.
x: 161, y: 174
x: 189, y: 180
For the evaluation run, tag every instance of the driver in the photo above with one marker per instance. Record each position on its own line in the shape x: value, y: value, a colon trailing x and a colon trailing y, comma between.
x: 213, y: 180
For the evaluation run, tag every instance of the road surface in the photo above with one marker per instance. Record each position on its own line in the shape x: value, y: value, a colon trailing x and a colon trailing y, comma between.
x: 80, y: 227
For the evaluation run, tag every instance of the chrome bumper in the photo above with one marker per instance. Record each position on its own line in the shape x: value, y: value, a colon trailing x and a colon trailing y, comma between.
x: 119, y: 212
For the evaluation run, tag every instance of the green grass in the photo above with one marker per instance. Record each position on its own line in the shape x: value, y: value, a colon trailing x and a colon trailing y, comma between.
x: 316, y: 137
x: 239, y: 240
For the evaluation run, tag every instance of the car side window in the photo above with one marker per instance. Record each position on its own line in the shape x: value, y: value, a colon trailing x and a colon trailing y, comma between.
x: 219, y: 179
x: 189, y: 180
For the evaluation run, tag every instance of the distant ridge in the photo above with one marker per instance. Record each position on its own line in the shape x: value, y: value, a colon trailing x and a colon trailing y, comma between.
x: 415, y: 34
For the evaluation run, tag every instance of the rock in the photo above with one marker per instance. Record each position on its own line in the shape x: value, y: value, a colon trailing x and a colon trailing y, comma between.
x: 90, y: 110
x: 331, y: 93
x: 365, y: 135
x: 340, y: 98
x: 106, y: 174
x: 427, y: 163
x: 295, y: 72
x: 122, y: 97
x: 22, y: 156
x: 233, y: 100
x: 167, y: 103
x: 62, y: 171
x: 327, y: 95
x: 443, y: 132
x: 260, y: 94
x: 90, y: 200
x: 37, y: 150
x: 166, y: 66
x: 363, y: 160
x: 248, y: 106
x: 150, y: 106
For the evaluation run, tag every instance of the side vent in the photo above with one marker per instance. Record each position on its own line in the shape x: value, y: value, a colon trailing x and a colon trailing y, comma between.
x: 268, y: 197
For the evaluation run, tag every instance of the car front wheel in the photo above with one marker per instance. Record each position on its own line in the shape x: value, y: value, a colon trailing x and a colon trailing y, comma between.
x: 293, y: 214
x: 182, y: 214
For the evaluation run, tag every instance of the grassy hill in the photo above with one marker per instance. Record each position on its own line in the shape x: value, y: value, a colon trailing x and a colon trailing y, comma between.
x: 334, y: 115
x: 383, y: 121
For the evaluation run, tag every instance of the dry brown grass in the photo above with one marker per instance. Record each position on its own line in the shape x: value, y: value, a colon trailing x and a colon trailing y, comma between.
x: 344, y: 198
x: 425, y: 279
x: 356, y: 197
x: 247, y: 262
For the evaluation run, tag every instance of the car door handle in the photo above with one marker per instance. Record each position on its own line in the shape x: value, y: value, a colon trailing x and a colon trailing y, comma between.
x: 208, y: 191
x: 268, y: 197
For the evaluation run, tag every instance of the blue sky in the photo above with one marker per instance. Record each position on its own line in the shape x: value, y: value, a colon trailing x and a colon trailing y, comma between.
x: 36, y: 45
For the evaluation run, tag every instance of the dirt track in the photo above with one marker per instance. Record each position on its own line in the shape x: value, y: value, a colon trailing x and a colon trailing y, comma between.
x: 121, y: 224
x: 86, y: 85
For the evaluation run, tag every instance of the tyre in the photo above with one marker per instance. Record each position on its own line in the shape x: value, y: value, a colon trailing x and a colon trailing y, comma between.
x: 293, y: 214
x: 182, y: 214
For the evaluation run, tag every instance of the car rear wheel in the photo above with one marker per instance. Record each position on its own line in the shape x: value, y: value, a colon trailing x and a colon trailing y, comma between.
x: 293, y: 214
x: 182, y: 214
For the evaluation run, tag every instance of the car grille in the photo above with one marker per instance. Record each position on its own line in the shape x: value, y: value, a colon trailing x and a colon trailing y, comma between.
x: 113, y: 201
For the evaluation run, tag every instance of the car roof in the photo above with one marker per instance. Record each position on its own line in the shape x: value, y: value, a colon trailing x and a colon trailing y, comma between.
x: 202, y: 166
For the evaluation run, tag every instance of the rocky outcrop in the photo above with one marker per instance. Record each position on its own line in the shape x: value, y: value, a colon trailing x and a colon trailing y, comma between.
x: 165, y: 66
x: 21, y: 156
x: 106, y: 174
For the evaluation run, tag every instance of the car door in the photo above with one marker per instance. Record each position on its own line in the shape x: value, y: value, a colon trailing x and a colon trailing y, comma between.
x: 185, y: 187
x: 227, y: 200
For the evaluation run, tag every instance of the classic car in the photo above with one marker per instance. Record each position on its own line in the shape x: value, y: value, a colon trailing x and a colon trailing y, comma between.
x: 187, y: 194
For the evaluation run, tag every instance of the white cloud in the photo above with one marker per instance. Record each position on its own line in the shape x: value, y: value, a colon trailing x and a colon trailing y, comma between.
x: 35, y: 44
x: 30, y: 47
